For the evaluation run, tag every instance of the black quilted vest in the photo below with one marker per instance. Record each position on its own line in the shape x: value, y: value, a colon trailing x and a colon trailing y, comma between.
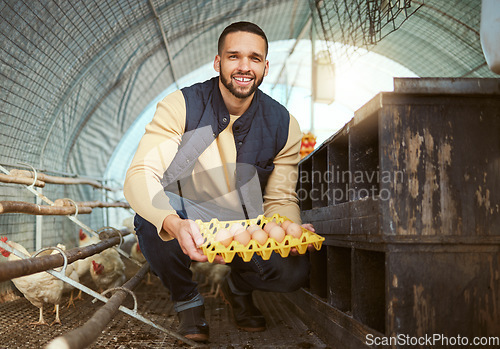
x: 259, y: 134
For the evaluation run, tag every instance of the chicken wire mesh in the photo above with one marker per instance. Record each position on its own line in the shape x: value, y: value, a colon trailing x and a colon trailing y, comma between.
x: 406, y: 31
x: 361, y: 23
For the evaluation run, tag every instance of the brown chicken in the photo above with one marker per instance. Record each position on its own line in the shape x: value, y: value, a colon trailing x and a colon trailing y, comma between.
x: 38, y: 288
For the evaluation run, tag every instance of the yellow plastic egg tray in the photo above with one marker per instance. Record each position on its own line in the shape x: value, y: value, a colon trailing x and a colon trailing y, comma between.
x: 211, y: 248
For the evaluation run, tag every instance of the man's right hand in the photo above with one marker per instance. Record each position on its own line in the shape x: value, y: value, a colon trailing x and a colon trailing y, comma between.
x: 187, y: 233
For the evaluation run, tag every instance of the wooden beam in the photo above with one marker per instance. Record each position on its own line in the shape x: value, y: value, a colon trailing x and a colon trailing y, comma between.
x: 20, y: 180
x: 58, y: 180
x: 35, y: 209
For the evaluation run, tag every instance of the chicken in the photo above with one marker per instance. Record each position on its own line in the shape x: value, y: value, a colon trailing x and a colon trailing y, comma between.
x: 136, y: 254
x: 38, y: 288
x: 107, y: 269
x: 129, y: 224
x: 200, y: 272
x: 214, y: 275
x: 86, y: 240
x: 82, y: 266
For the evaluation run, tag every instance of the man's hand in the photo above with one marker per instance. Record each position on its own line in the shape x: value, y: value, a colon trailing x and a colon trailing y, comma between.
x: 187, y: 233
x: 310, y: 247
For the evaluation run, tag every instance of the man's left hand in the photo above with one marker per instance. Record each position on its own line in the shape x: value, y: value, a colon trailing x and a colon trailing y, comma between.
x: 310, y: 247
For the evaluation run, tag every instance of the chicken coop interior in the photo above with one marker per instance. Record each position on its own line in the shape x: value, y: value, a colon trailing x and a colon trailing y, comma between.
x: 399, y: 104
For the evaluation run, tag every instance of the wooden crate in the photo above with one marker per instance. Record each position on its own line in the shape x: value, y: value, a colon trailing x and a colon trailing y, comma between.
x: 411, y: 215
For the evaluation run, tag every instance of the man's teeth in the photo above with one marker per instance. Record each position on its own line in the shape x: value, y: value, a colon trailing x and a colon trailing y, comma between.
x: 243, y: 79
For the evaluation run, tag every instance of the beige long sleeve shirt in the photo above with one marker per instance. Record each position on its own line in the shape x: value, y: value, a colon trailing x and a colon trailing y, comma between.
x: 159, y: 145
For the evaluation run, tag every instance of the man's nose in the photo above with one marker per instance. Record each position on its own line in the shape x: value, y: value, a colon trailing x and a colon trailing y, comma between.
x: 244, y: 64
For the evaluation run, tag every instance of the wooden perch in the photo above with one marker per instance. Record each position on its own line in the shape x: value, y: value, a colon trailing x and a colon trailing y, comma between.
x: 14, y: 269
x: 85, y: 335
x: 20, y: 180
x: 66, y: 202
x: 58, y: 180
x: 35, y: 209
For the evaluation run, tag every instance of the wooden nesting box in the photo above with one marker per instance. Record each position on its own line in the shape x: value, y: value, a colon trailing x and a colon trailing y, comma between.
x: 407, y: 195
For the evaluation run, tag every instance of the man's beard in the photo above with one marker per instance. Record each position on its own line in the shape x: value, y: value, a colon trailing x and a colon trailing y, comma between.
x: 233, y: 89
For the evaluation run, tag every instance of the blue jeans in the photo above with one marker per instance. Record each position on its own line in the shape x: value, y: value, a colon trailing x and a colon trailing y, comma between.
x: 171, y: 265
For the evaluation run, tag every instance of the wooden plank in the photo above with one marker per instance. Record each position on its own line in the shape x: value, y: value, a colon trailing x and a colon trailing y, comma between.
x: 442, y: 186
x: 337, y: 329
x: 368, y: 288
x: 364, y: 158
x: 326, y: 213
x: 318, y: 272
x: 339, y: 277
x: 319, y: 192
x: 365, y: 207
x: 338, y: 165
x: 484, y: 86
x: 448, y: 293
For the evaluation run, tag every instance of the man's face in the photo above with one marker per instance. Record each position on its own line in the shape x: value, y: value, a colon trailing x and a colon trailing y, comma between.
x: 242, y: 63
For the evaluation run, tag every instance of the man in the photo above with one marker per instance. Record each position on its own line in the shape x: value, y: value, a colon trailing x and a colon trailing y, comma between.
x: 218, y: 149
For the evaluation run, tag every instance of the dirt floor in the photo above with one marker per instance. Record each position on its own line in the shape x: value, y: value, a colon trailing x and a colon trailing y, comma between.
x: 284, y: 328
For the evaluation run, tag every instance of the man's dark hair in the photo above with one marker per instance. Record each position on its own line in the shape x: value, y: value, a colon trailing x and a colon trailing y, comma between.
x: 241, y: 27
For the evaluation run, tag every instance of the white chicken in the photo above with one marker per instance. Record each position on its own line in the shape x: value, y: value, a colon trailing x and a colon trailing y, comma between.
x: 107, y: 269
x: 129, y: 224
x: 136, y: 254
x: 214, y: 275
x: 82, y: 266
x: 38, y: 288
x: 86, y: 240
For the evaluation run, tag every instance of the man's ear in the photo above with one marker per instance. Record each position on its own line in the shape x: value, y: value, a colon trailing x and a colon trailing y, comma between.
x: 217, y: 64
x: 266, y: 68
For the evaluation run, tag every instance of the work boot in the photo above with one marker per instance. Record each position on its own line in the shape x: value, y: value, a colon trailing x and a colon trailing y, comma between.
x: 192, y: 324
x: 246, y: 315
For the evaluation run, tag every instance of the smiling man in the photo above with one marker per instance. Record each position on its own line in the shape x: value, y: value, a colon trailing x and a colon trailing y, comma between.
x: 218, y: 149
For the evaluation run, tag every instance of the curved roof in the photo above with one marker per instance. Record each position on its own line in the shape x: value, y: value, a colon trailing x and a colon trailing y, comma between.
x: 75, y: 75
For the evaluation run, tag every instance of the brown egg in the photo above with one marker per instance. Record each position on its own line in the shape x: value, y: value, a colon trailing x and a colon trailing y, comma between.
x: 224, y: 237
x: 294, y: 230
x: 269, y: 226
x: 277, y: 233
x: 243, y: 237
x: 286, y: 223
x: 260, y: 236
x: 236, y: 228
x: 253, y: 228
